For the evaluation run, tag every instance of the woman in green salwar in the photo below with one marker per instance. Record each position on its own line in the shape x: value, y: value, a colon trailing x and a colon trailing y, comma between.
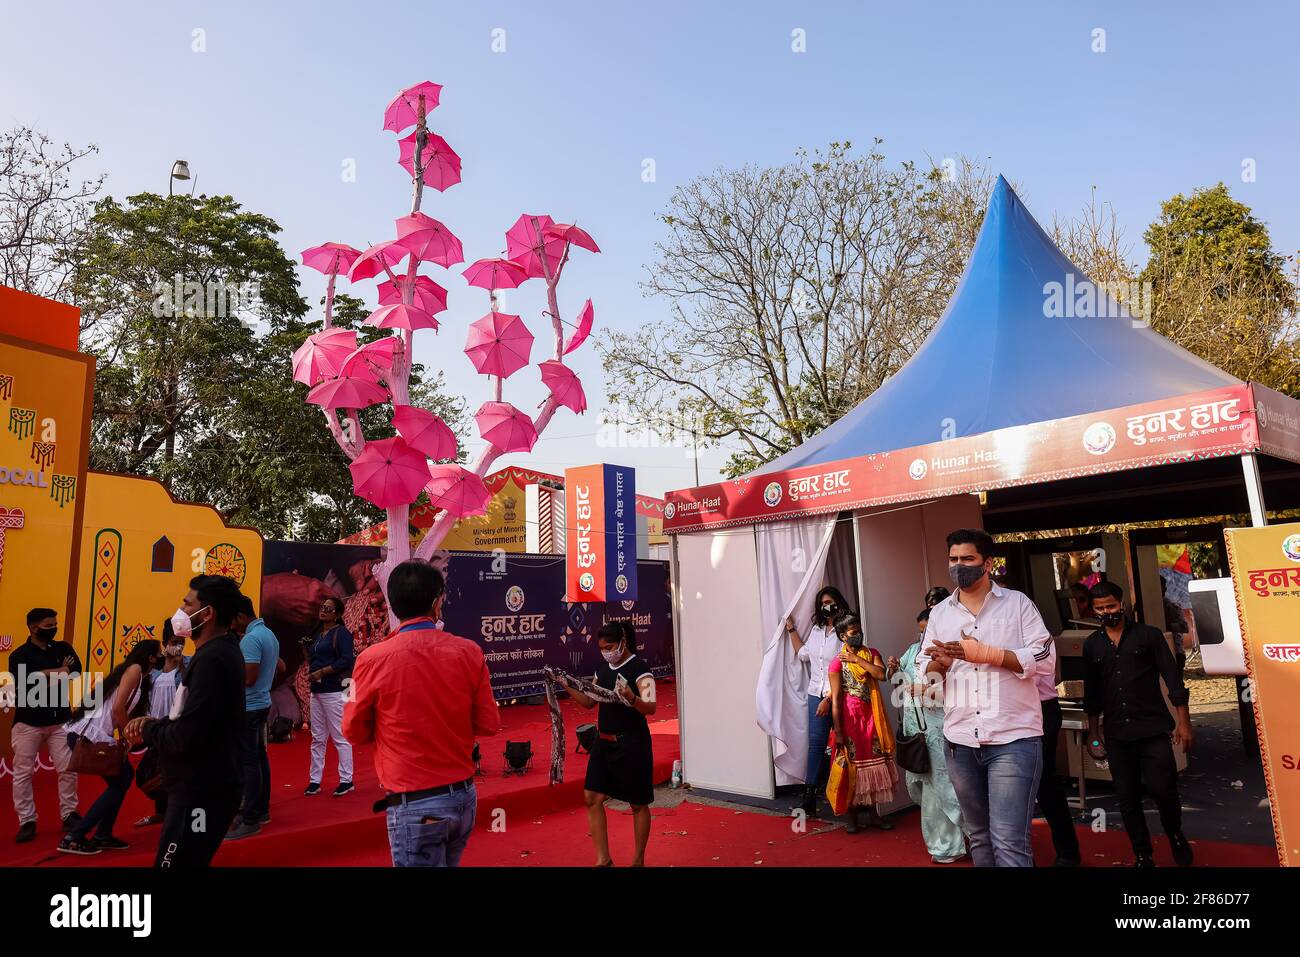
x: 922, y: 709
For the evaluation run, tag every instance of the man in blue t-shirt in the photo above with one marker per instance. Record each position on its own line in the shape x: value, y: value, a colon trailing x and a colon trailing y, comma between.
x: 262, y: 663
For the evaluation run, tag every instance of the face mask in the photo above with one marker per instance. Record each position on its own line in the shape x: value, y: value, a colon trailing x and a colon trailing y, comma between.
x: 175, y: 651
x: 830, y: 610
x: 854, y: 641
x: 612, y: 656
x: 45, y: 634
x: 1112, y: 618
x: 183, y: 623
x: 964, y: 576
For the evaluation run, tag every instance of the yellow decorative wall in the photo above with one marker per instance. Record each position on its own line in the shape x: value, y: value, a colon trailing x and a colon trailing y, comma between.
x: 139, y: 550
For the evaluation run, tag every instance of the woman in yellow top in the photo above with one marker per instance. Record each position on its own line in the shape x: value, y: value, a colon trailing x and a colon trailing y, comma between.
x: 861, y: 724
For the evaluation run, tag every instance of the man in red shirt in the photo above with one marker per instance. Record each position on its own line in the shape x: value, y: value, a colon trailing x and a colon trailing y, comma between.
x: 422, y: 696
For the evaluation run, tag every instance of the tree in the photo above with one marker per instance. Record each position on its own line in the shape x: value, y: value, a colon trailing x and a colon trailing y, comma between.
x: 793, y: 293
x: 1219, y: 289
x: 367, y: 381
x: 194, y: 314
x: 42, y: 207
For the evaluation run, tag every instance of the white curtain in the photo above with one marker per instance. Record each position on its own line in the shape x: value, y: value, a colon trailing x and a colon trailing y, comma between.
x: 791, y: 562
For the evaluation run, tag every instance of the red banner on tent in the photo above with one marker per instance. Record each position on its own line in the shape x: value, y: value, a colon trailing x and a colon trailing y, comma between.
x: 1194, y: 426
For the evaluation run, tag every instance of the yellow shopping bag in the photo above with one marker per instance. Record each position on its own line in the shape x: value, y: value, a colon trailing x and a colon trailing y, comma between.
x: 839, y: 789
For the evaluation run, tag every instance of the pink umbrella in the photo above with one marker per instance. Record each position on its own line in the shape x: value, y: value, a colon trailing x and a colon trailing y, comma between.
x: 495, y: 274
x: 401, y: 317
x: 564, y: 385
x: 372, y: 360
x: 373, y: 260
x: 499, y: 344
x: 389, y: 472
x: 429, y: 240
x: 585, y: 319
x: 320, y: 356
x: 441, y: 163
x: 331, y: 258
x: 525, y: 242
x: 424, y: 432
x: 572, y: 234
x: 501, y: 424
x: 429, y: 296
x: 457, y: 490
x: 347, y: 394
x: 403, y: 110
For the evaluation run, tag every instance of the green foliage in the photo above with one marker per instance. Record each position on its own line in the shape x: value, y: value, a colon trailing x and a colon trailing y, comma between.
x: 1219, y: 289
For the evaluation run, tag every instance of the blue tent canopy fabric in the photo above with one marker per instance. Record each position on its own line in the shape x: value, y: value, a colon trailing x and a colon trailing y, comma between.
x: 1003, y: 354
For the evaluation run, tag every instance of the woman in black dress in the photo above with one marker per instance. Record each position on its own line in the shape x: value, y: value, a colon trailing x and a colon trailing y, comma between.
x: 621, y: 765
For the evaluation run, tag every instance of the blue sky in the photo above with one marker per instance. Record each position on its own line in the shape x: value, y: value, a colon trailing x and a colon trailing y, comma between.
x: 561, y: 121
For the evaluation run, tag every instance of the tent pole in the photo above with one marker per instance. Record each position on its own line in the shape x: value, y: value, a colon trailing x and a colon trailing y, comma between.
x: 1254, y: 489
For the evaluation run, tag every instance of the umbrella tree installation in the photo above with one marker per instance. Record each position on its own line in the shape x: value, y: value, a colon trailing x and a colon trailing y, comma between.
x: 392, y: 472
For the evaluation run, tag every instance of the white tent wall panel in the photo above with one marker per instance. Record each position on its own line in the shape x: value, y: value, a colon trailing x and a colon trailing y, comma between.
x: 719, y: 653
x: 902, y: 554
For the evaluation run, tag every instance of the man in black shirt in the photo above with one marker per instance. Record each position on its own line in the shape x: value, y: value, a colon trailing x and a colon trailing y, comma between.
x: 199, y: 749
x: 42, y: 669
x: 1124, y: 662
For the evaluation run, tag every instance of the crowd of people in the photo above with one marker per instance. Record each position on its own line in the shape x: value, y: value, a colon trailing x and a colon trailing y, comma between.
x: 976, y: 691
x: 978, y: 687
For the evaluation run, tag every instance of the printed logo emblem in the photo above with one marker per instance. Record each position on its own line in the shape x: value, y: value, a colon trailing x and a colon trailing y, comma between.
x: 670, y: 510
x: 587, y: 582
x: 514, y: 598
x: 1291, y: 547
x: 629, y: 605
x: 1099, y: 438
x: 918, y: 469
x: 620, y: 584
x: 1261, y: 414
x: 772, y: 494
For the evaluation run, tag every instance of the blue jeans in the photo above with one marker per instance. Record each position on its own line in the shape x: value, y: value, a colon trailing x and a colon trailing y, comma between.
x: 819, y: 732
x: 103, y: 813
x: 433, y: 831
x: 996, y: 787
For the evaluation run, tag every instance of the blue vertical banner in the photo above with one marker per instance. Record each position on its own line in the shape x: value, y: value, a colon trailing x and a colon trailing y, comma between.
x: 620, y: 532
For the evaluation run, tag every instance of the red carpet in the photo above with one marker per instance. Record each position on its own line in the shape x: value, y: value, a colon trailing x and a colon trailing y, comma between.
x: 322, y: 830
x: 544, y: 826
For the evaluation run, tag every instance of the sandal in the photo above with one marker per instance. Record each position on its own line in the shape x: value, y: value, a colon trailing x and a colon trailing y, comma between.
x: 149, y: 821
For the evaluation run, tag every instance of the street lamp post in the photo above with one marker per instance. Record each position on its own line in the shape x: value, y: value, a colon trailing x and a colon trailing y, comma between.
x: 180, y: 170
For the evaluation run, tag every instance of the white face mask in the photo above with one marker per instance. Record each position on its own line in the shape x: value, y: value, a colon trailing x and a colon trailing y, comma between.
x: 183, y: 623
x: 612, y: 656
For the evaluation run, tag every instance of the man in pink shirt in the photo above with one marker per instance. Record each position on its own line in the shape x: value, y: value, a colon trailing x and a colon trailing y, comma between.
x: 422, y: 696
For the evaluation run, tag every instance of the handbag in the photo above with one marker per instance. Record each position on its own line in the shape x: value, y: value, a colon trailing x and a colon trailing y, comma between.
x: 148, y: 774
x: 104, y: 759
x: 843, y: 780
x: 911, y: 752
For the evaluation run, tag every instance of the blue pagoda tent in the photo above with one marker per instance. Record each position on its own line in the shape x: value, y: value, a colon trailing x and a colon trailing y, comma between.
x: 997, y: 358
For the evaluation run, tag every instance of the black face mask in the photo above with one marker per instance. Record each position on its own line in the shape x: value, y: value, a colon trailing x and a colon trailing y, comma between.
x: 830, y: 611
x: 46, y: 634
x: 1111, y: 618
x: 854, y: 641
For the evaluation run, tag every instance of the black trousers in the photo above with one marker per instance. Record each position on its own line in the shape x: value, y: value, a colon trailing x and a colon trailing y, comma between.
x: 255, y: 766
x: 1147, y: 763
x: 195, y: 826
x: 1051, y: 793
